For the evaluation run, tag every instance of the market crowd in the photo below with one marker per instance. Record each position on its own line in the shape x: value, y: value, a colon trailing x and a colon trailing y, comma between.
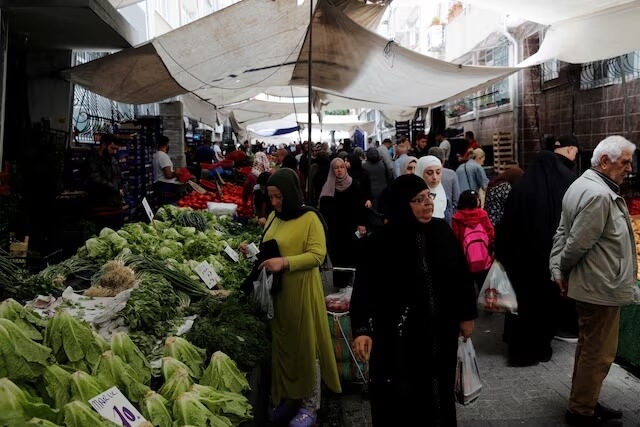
x: 565, y: 242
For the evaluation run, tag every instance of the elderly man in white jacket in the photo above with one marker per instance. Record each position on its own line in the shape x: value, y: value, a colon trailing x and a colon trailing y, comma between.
x: 593, y: 260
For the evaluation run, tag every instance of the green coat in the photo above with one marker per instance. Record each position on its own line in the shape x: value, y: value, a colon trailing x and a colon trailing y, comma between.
x: 300, y: 330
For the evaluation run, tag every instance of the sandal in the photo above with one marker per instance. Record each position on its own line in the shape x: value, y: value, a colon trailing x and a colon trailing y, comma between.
x: 304, y: 418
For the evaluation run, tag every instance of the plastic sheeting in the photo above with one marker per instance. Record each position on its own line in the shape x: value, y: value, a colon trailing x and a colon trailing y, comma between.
x: 580, y: 30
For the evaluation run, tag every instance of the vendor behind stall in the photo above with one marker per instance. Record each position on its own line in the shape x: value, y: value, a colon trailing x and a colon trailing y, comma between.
x: 105, y: 184
x: 165, y: 182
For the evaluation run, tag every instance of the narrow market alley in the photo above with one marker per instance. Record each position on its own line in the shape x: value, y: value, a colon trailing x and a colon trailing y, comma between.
x: 532, y: 396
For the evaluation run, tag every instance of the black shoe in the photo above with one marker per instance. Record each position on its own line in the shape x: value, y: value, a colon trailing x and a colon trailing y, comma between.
x: 582, y: 420
x: 607, y: 413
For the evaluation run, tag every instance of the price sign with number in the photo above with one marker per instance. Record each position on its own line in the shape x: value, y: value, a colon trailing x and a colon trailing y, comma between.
x: 232, y: 254
x: 147, y: 209
x: 207, y: 274
x: 115, y: 407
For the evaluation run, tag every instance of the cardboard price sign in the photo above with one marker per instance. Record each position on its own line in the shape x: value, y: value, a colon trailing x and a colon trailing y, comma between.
x: 147, y: 209
x: 207, y: 274
x: 115, y: 407
x: 232, y: 254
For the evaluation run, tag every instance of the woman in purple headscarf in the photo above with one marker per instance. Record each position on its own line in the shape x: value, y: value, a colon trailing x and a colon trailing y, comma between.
x: 342, y: 203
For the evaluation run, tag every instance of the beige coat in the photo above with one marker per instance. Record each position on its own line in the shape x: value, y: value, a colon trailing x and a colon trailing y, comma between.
x: 594, y: 245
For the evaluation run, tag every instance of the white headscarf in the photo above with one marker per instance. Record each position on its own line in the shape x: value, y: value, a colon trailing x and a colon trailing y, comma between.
x: 440, y: 202
x: 405, y: 162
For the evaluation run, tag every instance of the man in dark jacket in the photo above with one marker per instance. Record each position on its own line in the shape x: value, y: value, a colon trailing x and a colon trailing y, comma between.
x: 105, y: 184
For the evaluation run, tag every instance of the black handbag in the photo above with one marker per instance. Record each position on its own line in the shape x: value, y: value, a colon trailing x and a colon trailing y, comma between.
x: 268, y: 250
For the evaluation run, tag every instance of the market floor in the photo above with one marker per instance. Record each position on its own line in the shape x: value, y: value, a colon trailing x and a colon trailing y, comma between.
x: 533, y: 396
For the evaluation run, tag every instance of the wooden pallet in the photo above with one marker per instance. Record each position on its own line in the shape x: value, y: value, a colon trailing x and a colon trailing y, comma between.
x: 503, y: 151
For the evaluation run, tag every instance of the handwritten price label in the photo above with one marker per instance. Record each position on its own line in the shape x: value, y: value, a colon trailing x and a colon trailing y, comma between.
x: 232, y: 254
x: 147, y: 209
x: 207, y: 274
x: 115, y: 407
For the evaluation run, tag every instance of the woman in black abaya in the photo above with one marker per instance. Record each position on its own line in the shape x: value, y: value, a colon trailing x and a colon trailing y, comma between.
x: 426, y: 304
x: 523, y: 245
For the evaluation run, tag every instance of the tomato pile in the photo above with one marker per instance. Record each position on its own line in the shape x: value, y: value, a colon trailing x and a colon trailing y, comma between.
x: 634, y: 206
x: 231, y: 193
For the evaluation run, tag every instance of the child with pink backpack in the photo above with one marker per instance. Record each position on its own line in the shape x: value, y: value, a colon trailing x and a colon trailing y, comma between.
x: 473, y: 228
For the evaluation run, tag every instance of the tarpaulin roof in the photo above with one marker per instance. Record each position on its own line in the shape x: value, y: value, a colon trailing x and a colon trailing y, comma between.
x: 580, y: 30
x: 261, y: 45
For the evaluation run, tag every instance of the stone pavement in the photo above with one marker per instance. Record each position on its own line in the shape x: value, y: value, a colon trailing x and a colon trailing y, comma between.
x: 532, y: 396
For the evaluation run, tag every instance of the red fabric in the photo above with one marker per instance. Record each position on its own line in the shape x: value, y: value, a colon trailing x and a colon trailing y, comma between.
x: 183, y: 174
x: 470, y: 218
x: 237, y: 156
x: 247, y: 191
x: 472, y: 145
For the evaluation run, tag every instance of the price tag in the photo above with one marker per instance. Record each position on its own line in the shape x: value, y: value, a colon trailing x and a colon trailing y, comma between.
x: 252, y: 252
x: 232, y: 254
x: 115, y: 407
x: 207, y: 274
x: 147, y: 208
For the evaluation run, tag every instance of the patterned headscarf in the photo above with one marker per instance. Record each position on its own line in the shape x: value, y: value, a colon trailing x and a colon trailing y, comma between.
x: 260, y: 164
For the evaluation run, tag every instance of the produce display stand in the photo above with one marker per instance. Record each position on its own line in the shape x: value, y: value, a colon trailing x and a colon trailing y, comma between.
x: 628, y: 340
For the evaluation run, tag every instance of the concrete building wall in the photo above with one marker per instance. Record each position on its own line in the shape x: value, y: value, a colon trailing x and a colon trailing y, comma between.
x: 50, y: 97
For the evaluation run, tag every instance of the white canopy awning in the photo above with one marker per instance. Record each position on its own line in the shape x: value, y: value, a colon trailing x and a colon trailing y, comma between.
x: 579, y: 30
x: 257, y: 46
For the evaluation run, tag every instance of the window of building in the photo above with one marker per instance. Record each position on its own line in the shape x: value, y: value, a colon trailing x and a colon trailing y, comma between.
x: 162, y: 6
x: 550, y: 70
x: 609, y: 71
x: 499, y: 93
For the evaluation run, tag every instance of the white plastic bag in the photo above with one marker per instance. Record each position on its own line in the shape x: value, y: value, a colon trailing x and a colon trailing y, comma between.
x: 261, y: 294
x: 339, y: 302
x: 468, y: 384
x: 497, y: 294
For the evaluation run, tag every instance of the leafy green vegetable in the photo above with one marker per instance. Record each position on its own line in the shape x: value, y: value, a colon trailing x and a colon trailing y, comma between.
x: 230, y: 325
x: 178, y: 383
x: 79, y: 414
x: 223, y: 374
x: 112, y: 371
x: 170, y: 366
x: 39, y: 422
x: 155, y: 408
x: 234, y: 406
x: 21, y: 359
x: 187, y: 353
x: 17, y: 405
x: 57, y: 385
x: 187, y: 410
x: 72, y: 341
x: 84, y: 387
x: 24, y: 318
x: 122, y: 346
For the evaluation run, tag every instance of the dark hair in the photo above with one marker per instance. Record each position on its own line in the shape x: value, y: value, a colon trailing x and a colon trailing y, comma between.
x: 107, y: 138
x: 420, y: 136
x: 549, y: 142
x: 469, y: 134
x: 161, y: 141
x: 263, y: 178
x: 387, y: 140
x: 469, y: 199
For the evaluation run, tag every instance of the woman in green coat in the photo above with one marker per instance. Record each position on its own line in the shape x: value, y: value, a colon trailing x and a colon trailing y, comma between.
x: 302, y: 352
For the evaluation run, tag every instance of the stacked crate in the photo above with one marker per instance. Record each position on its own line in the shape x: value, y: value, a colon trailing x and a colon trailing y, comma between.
x: 503, y: 152
x: 136, y: 162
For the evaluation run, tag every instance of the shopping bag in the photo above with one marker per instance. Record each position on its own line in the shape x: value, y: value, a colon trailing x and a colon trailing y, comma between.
x: 468, y: 384
x: 497, y: 294
x: 351, y: 369
x: 261, y: 295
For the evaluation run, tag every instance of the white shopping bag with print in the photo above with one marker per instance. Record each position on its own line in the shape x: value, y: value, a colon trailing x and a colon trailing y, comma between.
x: 497, y: 294
x: 468, y: 384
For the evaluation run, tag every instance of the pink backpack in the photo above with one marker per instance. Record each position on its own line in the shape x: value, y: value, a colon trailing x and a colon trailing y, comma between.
x: 476, y: 248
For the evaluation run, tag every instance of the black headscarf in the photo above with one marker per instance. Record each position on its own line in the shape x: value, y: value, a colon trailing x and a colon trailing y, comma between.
x: 355, y: 161
x: 287, y: 181
x: 290, y: 162
x: 403, y: 190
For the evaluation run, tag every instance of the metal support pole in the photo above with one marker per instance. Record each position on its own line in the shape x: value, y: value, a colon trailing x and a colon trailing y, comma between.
x: 310, y: 93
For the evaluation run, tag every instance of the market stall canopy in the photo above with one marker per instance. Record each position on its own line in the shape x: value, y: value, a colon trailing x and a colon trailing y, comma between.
x: 119, y: 4
x: 579, y: 30
x: 235, y: 54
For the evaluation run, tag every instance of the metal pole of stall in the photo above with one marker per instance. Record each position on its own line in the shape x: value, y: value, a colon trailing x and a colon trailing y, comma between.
x: 309, y: 109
